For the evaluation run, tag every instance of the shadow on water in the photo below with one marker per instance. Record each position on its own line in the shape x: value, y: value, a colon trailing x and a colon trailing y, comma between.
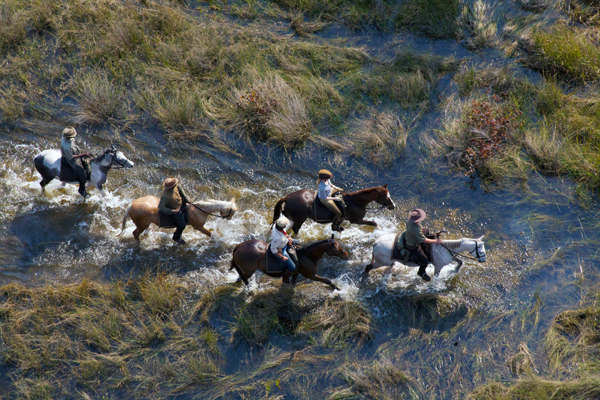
x: 47, y: 230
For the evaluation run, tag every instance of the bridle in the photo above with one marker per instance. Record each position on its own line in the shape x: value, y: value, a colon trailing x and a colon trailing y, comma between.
x: 381, y: 201
x: 217, y: 214
x: 476, y: 250
x: 113, y: 153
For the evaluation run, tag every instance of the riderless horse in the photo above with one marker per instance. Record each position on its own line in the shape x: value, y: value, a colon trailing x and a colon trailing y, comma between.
x: 144, y: 212
x: 298, y: 206
x: 250, y: 255
x: 47, y: 163
x: 441, y: 254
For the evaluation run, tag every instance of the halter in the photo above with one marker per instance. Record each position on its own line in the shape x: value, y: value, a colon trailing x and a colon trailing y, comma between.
x: 381, y: 198
x: 113, y: 153
x: 216, y: 215
x: 455, y: 254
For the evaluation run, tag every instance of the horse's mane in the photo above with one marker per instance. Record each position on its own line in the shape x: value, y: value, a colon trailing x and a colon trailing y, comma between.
x: 452, y: 244
x: 362, y: 190
x: 220, y: 204
x: 310, y: 246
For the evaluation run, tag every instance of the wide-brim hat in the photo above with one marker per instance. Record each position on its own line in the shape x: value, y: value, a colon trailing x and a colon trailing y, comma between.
x: 170, y: 183
x: 282, y: 222
x: 325, y: 174
x: 69, y: 132
x: 416, y: 215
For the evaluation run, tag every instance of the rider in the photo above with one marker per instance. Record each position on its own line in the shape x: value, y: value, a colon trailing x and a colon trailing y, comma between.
x: 173, y: 202
x: 326, y: 190
x: 414, y: 237
x: 280, y: 241
x: 71, y: 154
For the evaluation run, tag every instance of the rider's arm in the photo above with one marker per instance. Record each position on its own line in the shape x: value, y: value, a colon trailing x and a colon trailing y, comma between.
x: 162, y: 206
x: 432, y: 241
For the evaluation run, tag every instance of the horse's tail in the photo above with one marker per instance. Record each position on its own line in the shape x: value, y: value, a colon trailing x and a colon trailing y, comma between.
x: 124, y: 220
x: 277, y: 211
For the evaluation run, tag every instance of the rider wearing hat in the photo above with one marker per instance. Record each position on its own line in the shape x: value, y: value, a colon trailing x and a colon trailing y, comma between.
x: 414, y: 237
x: 326, y: 190
x: 71, y: 154
x: 172, y: 202
x: 280, y: 241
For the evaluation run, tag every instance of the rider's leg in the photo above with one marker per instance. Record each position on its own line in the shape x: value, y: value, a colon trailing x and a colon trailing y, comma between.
x: 418, y: 255
x: 289, y: 264
x: 180, y: 223
x: 330, y: 204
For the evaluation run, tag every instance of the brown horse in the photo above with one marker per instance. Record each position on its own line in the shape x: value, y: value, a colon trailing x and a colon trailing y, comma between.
x: 250, y: 255
x: 144, y: 211
x: 299, y: 206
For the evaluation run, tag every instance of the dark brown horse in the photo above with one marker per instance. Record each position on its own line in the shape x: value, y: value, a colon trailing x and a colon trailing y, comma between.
x: 250, y: 255
x: 299, y: 206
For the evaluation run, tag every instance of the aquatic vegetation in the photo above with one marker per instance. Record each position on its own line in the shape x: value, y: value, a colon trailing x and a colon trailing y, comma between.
x: 564, y: 51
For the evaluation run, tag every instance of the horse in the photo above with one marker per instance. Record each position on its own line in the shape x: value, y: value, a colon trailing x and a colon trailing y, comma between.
x: 144, y: 212
x: 250, y: 255
x: 442, y: 254
x: 47, y: 163
x: 299, y: 206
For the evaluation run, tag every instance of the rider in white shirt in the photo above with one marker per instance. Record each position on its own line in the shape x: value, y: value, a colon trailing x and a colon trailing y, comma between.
x: 280, y: 241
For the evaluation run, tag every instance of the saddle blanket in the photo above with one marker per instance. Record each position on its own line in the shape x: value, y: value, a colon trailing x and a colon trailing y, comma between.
x: 273, y: 264
x: 324, y: 214
x: 168, y: 221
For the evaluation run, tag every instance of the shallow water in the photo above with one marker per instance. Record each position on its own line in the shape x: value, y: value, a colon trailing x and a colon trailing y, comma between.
x: 58, y: 238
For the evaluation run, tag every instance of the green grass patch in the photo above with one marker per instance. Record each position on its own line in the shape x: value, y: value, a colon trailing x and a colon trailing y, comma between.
x: 566, y: 52
x: 437, y: 19
x: 509, y: 127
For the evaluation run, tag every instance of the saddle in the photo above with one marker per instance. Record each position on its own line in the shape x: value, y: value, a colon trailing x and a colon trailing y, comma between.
x: 324, y: 214
x: 274, y: 265
x: 168, y: 221
x: 401, y: 253
x: 66, y: 172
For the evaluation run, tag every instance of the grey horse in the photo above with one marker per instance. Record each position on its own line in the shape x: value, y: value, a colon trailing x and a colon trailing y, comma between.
x: 47, y: 163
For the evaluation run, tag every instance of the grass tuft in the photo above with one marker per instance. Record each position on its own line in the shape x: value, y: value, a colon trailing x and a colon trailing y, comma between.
x: 340, y: 322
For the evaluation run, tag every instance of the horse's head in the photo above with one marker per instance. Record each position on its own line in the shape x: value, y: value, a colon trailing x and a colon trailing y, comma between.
x: 334, y: 248
x: 113, y: 157
x: 479, y: 251
x: 229, y: 211
x: 384, y: 197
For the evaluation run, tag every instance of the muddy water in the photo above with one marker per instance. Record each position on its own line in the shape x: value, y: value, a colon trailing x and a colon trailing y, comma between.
x: 59, y: 238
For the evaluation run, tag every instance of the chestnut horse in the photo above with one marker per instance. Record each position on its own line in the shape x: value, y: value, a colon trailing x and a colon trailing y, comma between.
x: 299, y: 206
x: 250, y: 255
x: 144, y: 211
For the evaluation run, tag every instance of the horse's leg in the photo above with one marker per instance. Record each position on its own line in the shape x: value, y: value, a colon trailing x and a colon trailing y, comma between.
x: 297, y: 226
x: 43, y: 184
x: 205, y: 231
x: 315, y: 277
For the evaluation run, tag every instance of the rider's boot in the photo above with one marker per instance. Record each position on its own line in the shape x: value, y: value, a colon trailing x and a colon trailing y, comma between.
x: 335, y: 225
x: 286, y: 276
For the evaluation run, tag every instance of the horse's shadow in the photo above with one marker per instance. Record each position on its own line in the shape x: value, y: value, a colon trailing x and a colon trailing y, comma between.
x: 46, y: 230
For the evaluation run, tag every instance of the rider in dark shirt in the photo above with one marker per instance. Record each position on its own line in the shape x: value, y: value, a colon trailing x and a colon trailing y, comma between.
x: 73, y: 156
x: 414, y: 237
x: 172, y: 202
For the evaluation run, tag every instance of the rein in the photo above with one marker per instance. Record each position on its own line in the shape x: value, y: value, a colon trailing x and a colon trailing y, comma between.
x: 460, y: 255
x: 216, y: 215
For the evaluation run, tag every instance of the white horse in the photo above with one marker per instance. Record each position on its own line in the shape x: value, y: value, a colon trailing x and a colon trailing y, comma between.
x: 47, y: 163
x: 442, y: 254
